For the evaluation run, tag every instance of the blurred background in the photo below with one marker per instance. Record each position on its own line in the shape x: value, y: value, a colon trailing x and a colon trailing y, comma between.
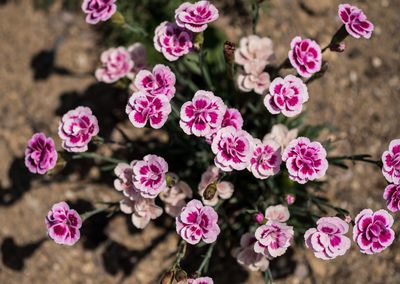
x: 48, y: 55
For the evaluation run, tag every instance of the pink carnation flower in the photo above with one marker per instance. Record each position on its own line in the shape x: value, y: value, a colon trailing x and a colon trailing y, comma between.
x: 142, y: 209
x: 372, y: 231
x: 98, y: 10
x: 76, y: 129
x: 391, y: 162
x: 200, y: 280
x: 273, y: 239
x: 224, y: 188
x: 392, y: 197
x: 197, y: 222
x: 116, y: 64
x: 172, y: 41
x: 142, y: 108
x: 149, y: 175
x: 328, y: 240
x: 278, y: 213
x: 160, y: 82
x: 266, y: 159
x: 195, y: 17
x: 286, y: 95
x: 282, y: 135
x: 305, y: 160
x: 305, y: 55
x: 233, y: 149
x: 258, y: 83
x: 124, y: 180
x: 203, y: 115
x: 247, y: 257
x: 63, y: 224
x: 355, y: 21
x: 232, y: 117
x: 40, y: 154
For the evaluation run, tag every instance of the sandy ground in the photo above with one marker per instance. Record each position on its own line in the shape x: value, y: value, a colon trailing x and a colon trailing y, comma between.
x: 358, y: 96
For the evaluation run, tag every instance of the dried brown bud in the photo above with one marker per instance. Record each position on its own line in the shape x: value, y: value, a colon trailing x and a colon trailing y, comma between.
x: 210, y: 191
x: 229, y: 52
x: 181, y: 275
x: 167, y: 278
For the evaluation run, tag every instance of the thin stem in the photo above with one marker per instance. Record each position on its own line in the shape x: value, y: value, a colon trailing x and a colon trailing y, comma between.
x: 268, y: 276
x: 357, y: 158
x: 204, y: 70
x: 89, y: 214
x: 180, y: 254
x: 206, y: 259
x: 96, y: 156
x: 256, y: 14
x: 135, y: 29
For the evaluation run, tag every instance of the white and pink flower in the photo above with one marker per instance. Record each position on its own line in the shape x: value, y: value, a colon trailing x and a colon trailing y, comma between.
x: 392, y: 197
x: 305, y: 160
x: 328, y: 239
x: 355, y: 21
x: 391, y: 162
x: 305, y: 56
x: 232, y: 117
x: 233, y: 149
x: 266, y: 159
x: 116, y: 64
x: 286, y: 95
x: 258, y: 83
x: 197, y: 222
x: 278, y: 213
x: 143, y: 108
x: 282, y: 135
x: 142, y: 209
x: 196, y: 17
x: 124, y: 180
x: 200, y: 280
x: 203, y: 115
x: 98, y: 10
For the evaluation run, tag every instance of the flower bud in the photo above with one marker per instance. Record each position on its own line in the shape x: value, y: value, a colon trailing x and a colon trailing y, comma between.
x: 210, y: 191
x: 181, y: 275
x: 229, y: 52
x: 167, y: 278
x: 337, y: 47
x: 198, y: 41
x: 118, y: 19
x: 259, y: 217
x: 290, y: 199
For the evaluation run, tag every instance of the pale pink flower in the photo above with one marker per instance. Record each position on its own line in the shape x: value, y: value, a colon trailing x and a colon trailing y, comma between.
x: 138, y: 55
x: 200, y: 280
x: 77, y: 128
x: 63, y: 224
x: 355, y: 21
x: 197, y: 222
x: 328, y: 240
x: 143, y: 107
x: 273, y: 239
x: 233, y: 149
x: 277, y: 213
x: 246, y: 256
x: 174, y: 195
x: 124, y: 180
x: 392, y: 197
x: 149, y: 175
x: 305, y: 56
x: 286, y: 95
x: 282, y: 135
x: 224, y: 188
x: 40, y: 154
x: 142, y: 209
x: 266, y: 159
x: 391, y: 162
x: 116, y: 64
x: 98, y: 10
x: 203, y: 115
x: 196, y: 17
x: 305, y: 160
x: 172, y: 41
x: 258, y: 83
x: 290, y: 199
x: 372, y: 231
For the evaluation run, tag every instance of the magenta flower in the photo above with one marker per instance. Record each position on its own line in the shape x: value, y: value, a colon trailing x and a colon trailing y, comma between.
x: 328, y: 240
x: 258, y: 83
x: 392, y: 197
x: 116, y: 64
x: 247, y: 257
x: 124, y: 180
x: 233, y: 149
x: 305, y: 56
x: 160, y: 82
x: 98, y: 10
x: 40, y: 154
x: 172, y: 41
x: 195, y: 17
x: 63, y: 224
x: 372, y: 231
x: 200, y: 280
x: 286, y: 95
x: 273, y: 239
x: 266, y: 159
x: 142, y: 209
x: 76, y: 129
x: 203, y: 115
x: 197, y: 222
x: 305, y: 160
x: 391, y: 162
x: 142, y: 107
x: 355, y: 21
x: 149, y: 175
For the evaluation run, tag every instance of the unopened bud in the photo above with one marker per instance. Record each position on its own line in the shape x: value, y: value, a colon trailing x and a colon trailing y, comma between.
x: 198, y: 41
x: 290, y: 199
x: 118, y: 19
x: 60, y: 165
x: 210, y: 191
x: 259, y: 218
x: 229, y: 52
x: 181, y: 275
x: 337, y: 47
x: 98, y: 140
x: 167, y: 278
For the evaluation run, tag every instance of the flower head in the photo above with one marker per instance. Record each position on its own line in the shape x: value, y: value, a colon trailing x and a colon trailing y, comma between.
x: 174, y: 195
x: 392, y: 197
x: 116, y: 64
x: 355, y: 21
x: 305, y: 160
x: 76, y: 129
x: 143, y: 107
x: 286, y: 95
x: 142, y: 209
x: 124, y: 180
x: 63, y: 224
x: 266, y: 159
x: 172, y: 41
x: 98, y: 10
x: 282, y: 135
x: 372, y: 231
x: 195, y: 17
x: 258, y: 83
x: 328, y: 240
x: 277, y: 213
x: 305, y: 55
x: 197, y: 222
x: 40, y: 154
x: 203, y: 115
x: 391, y: 162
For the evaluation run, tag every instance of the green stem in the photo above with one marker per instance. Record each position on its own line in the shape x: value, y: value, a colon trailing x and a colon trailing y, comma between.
x: 180, y: 254
x: 135, y: 29
x: 256, y: 14
x: 90, y: 155
x: 206, y: 259
x: 89, y: 214
x: 357, y: 158
x: 204, y: 70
